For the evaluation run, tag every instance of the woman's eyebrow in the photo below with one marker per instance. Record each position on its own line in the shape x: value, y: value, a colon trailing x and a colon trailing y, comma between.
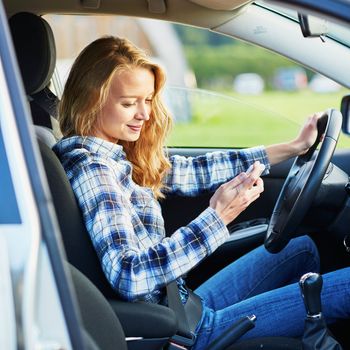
x: 134, y: 96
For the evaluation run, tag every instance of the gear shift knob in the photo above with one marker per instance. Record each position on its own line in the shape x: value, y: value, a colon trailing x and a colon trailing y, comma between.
x: 311, y: 286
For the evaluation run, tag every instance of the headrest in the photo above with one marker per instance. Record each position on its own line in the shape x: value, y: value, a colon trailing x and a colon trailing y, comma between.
x: 36, y: 51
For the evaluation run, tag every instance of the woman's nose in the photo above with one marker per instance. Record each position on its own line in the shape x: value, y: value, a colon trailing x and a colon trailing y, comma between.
x: 144, y: 112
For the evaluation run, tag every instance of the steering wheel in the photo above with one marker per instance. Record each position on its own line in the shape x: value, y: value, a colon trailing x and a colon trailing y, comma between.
x: 302, y: 183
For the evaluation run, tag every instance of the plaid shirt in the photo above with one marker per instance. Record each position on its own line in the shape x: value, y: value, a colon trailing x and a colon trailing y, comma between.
x: 125, y: 222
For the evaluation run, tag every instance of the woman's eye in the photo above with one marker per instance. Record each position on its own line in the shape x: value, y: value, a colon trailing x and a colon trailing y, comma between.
x: 126, y: 105
x: 149, y: 100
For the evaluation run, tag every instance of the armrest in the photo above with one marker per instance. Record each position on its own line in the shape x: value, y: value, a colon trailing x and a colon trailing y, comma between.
x: 146, y: 320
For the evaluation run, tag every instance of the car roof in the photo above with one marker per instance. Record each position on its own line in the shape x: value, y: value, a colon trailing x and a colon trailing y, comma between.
x: 202, y: 13
x: 195, y: 12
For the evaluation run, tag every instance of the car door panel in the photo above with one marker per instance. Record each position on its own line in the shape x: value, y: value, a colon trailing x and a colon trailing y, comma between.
x: 341, y: 159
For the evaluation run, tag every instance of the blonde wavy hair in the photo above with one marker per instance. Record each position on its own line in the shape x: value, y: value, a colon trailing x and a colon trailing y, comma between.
x: 86, y: 92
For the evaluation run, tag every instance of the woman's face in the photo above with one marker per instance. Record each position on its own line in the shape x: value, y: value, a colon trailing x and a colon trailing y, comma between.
x: 128, y: 106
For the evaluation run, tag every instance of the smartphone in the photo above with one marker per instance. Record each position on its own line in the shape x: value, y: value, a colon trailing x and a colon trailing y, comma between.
x: 250, y: 169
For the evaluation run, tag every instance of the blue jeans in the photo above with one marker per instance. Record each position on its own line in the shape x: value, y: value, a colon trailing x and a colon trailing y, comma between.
x: 263, y: 284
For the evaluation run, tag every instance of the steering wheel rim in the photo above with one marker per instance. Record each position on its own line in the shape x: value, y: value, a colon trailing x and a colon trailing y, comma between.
x: 302, y: 183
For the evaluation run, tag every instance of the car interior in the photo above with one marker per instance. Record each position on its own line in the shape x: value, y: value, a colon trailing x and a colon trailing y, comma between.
x: 110, y: 323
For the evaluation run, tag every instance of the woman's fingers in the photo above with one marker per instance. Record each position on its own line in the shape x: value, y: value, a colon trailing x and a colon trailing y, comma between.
x: 259, y: 184
x: 231, y: 198
x: 246, y: 193
x: 252, y: 177
x: 246, y: 179
x: 236, y: 181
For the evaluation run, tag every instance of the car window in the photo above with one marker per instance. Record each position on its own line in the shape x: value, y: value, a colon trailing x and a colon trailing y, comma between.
x: 221, y: 92
x: 212, y: 119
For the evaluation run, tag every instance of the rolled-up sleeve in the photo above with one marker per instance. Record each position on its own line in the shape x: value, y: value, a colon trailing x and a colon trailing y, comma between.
x: 190, y: 176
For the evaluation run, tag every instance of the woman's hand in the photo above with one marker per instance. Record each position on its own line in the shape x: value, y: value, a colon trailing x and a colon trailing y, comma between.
x: 300, y: 145
x: 307, y: 135
x: 231, y: 198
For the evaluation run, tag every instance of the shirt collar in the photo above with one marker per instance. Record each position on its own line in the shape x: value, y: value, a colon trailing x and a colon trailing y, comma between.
x: 93, y: 145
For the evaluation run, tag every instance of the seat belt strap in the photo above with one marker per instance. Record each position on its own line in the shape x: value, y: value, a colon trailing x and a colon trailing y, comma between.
x: 47, y: 100
x: 175, y: 303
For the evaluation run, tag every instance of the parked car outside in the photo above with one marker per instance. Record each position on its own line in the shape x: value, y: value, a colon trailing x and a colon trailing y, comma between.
x: 249, y: 83
x: 323, y: 85
x: 290, y: 79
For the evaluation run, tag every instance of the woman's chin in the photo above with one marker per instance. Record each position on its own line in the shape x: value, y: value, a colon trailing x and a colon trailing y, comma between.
x: 131, y: 138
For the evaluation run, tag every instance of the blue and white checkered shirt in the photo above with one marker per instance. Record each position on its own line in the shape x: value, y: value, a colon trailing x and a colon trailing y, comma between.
x: 125, y: 222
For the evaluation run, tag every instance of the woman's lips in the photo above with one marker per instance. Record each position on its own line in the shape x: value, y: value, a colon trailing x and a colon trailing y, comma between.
x: 135, y: 128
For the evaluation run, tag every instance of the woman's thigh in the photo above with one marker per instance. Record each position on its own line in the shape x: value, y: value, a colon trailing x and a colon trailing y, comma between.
x: 259, y: 271
x: 279, y: 312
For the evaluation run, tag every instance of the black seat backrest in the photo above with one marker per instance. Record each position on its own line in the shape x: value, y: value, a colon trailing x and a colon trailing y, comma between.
x: 100, y: 322
x: 138, y: 319
x: 79, y: 249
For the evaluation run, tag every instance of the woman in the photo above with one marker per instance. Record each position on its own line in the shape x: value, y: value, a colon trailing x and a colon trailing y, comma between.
x: 114, y: 126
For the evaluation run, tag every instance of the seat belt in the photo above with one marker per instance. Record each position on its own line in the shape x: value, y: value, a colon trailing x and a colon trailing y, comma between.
x: 44, y: 105
x: 184, y: 337
x: 47, y: 100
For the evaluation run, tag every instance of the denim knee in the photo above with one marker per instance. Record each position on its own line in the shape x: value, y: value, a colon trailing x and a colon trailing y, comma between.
x: 306, y: 244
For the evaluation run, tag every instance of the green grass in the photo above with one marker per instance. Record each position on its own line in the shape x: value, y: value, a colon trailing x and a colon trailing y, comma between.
x: 243, y: 121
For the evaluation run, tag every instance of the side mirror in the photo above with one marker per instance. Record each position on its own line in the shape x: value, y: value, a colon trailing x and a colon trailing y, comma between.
x: 345, y: 111
x: 312, y: 26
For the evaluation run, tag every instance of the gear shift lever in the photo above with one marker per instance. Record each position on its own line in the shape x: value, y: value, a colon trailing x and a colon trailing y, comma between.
x: 311, y: 286
x: 316, y: 334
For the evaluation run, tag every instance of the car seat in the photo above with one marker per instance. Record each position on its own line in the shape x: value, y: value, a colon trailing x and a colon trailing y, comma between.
x: 152, y: 325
